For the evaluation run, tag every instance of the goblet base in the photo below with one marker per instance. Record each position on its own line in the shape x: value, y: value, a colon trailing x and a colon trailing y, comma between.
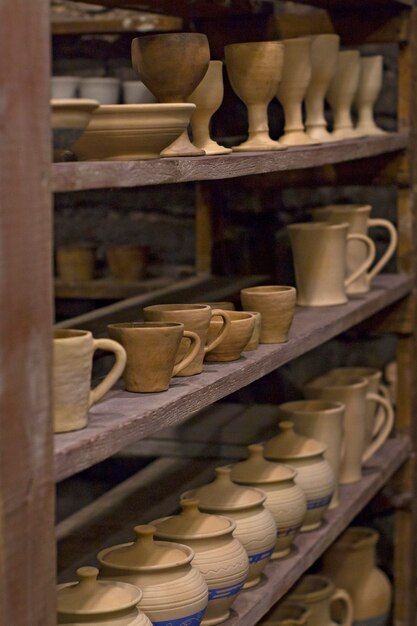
x: 297, y: 138
x: 182, y: 147
x: 212, y: 147
x: 258, y: 144
x: 347, y: 133
x: 370, y: 129
x: 320, y: 133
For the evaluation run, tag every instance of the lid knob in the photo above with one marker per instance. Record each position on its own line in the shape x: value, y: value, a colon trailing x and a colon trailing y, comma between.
x: 286, y: 425
x: 87, y: 577
x: 189, y: 507
x: 223, y: 473
x: 256, y: 450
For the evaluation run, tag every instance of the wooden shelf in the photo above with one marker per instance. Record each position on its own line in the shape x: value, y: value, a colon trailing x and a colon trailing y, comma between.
x: 137, y: 23
x: 75, y: 176
x: 108, y: 289
x: 122, y: 417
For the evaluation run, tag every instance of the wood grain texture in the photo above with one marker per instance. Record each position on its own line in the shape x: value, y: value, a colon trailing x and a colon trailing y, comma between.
x: 109, y: 289
x: 76, y: 176
x: 122, y: 417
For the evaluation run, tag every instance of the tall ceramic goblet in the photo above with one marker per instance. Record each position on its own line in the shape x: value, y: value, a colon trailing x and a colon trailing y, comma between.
x: 207, y: 97
x: 292, y: 89
x: 324, y: 53
x: 254, y: 71
x: 171, y: 66
x: 341, y: 93
x: 370, y: 84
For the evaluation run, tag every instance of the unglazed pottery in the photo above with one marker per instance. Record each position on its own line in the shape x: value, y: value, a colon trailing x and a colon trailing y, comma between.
x: 127, y: 263
x: 103, y: 89
x: 318, y: 594
x: 135, y: 92
x: 276, y: 304
x: 75, y: 263
x: 64, y: 87
x: 71, y: 380
x: 253, y: 342
x: 323, y: 421
x: 324, y: 53
x: 284, y: 498
x: 242, y: 326
x: 173, y: 590
x: 292, y: 89
x: 354, y: 393
x: 254, y: 71
x: 172, y: 65
x: 207, y: 97
x: 69, y: 119
x: 369, y: 87
x: 218, y: 555
x: 314, y: 474
x: 286, y: 614
x: 319, y: 252
x: 341, y: 93
x: 151, y: 349
x: 359, y: 220
x: 196, y: 318
x: 129, y: 132
x: 93, y: 602
x: 350, y: 562
x: 224, y: 306
x: 255, y: 525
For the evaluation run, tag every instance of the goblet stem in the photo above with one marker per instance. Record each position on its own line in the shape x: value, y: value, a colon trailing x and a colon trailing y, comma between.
x: 342, y: 117
x: 258, y: 121
x: 200, y: 123
x: 293, y: 115
x: 315, y: 109
x: 366, y: 115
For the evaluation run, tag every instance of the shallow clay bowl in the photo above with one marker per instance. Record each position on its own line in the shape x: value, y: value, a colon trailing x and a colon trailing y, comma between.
x: 69, y: 119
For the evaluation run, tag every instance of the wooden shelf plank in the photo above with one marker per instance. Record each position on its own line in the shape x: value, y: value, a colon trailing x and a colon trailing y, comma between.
x: 122, y: 417
x: 78, y: 175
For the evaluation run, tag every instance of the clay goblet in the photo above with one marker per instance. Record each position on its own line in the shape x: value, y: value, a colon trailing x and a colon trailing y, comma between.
x: 324, y: 53
x: 370, y: 83
x: 341, y: 93
x: 171, y: 66
x: 208, y: 98
x: 254, y: 71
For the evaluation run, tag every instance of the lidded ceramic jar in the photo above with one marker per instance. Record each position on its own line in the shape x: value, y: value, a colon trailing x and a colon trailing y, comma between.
x: 173, y: 590
x: 284, y: 498
x: 219, y: 556
x: 92, y: 602
x: 314, y: 474
x: 255, y: 525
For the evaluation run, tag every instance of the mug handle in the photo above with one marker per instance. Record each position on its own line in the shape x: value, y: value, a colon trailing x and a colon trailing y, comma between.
x: 380, y: 416
x: 368, y: 261
x: 391, y: 246
x: 191, y: 354
x: 116, y: 371
x: 224, y: 330
x: 340, y: 595
x: 386, y: 425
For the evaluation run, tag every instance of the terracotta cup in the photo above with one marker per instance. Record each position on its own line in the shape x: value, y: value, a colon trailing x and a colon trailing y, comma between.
x: 321, y: 420
x: 172, y: 65
x: 127, y: 263
x: 75, y: 263
x: 196, y: 318
x: 241, y: 330
x: 324, y: 52
x: 319, y: 594
x: 254, y: 71
x: 207, y: 97
x: 151, y: 348
x: 319, y: 253
x: 253, y: 342
x: 370, y: 84
x: 71, y: 379
x: 276, y: 304
x: 286, y: 614
x: 354, y: 393
x: 341, y: 93
x: 292, y: 89
x: 224, y: 306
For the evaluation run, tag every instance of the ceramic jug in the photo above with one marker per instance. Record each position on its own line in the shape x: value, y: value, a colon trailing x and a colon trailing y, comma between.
x: 71, y: 378
x: 314, y: 474
x: 350, y: 562
x: 324, y: 53
x: 323, y: 421
x: 354, y: 393
x: 284, y: 498
x: 276, y: 304
x: 196, y: 318
x: 218, y: 555
x: 242, y: 327
x: 318, y: 594
x: 174, y: 592
x: 341, y: 93
x: 319, y: 252
x: 255, y: 525
x: 286, y: 614
x: 93, y: 602
x: 369, y: 87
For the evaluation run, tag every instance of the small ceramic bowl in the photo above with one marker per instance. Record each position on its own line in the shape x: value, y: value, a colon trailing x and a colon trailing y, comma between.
x: 69, y: 119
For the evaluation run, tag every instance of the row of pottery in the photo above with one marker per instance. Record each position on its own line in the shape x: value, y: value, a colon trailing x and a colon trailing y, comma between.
x: 103, y: 89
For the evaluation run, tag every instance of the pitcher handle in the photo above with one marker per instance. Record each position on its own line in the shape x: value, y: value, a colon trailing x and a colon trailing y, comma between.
x: 391, y: 246
x: 116, y: 371
x: 191, y: 354
x: 223, y: 332
x: 386, y: 425
x: 340, y: 595
x: 363, y: 268
x: 380, y: 415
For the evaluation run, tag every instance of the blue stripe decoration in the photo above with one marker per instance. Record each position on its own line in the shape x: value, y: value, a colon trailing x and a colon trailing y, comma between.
x: 255, y: 558
x: 190, y: 620
x: 288, y: 531
x: 316, y: 504
x: 225, y: 592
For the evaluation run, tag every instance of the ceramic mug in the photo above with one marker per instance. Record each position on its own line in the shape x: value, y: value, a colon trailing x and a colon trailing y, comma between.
x: 319, y: 252
x: 127, y: 263
x: 318, y: 594
x: 276, y: 304
x: 242, y: 326
x: 71, y: 381
x: 75, y: 263
x: 151, y: 349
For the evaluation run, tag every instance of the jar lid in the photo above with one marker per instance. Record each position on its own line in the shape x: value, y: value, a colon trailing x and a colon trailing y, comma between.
x: 90, y: 596
x: 192, y: 523
x: 289, y: 445
x: 257, y: 470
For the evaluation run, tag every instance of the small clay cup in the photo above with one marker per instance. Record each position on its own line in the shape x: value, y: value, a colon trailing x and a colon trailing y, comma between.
x: 238, y: 336
x: 127, y: 263
x: 75, y: 263
x: 276, y: 304
x: 253, y: 342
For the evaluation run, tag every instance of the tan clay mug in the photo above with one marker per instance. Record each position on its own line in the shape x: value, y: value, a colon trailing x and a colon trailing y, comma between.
x: 318, y: 594
x: 196, y: 318
x: 127, y: 263
x: 75, y: 263
x: 240, y: 333
x: 71, y: 380
x: 151, y: 349
x: 276, y: 304
x: 286, y: 614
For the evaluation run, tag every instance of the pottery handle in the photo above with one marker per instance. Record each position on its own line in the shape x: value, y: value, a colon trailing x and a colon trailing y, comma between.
x: 342, y: 597
x: 191, y: 354
x: 380, y: 415
x: 391, y: 246
x: 386, y: 425
x: 368, y: 261
x: 115, y: 372
x: 224, y: 331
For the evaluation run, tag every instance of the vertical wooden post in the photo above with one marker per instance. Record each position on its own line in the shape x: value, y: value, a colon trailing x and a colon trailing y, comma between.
x: 203, y: 228
x: 27, y: 548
